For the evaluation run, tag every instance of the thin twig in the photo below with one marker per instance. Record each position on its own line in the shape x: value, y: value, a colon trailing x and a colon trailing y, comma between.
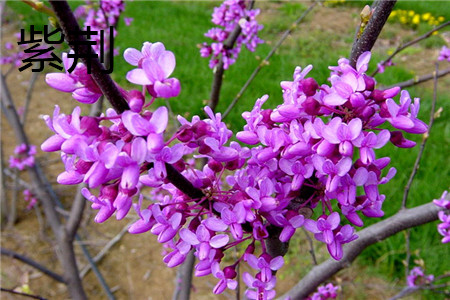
x: 404, y: 219
x: 420, y: 79
x: 32, y: 263
x: 22, y: 294
x: 265, y: 61
x: 410, y: 43
x: 311, y: 246
x: 106, y: 248
x: 411, y: 289
x: 381, y: 11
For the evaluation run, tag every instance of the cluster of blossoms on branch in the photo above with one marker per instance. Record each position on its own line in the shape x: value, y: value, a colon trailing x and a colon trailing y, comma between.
x: 325, y: 292
x: 13, y: 54
x: 99, y: 17
x: 23, y: 157
x: 444, y: 54
x: 230, y: 15
x: 313, y: 153
x: 30, y: 198
x: 417, y: 277
x: 444, y: 217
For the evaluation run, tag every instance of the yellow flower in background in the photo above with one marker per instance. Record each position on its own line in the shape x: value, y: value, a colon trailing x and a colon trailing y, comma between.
x: 413, y: 19
x: 426, y: 16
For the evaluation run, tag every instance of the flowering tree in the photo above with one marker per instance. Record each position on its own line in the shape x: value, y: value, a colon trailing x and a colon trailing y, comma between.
x: 308, y: 163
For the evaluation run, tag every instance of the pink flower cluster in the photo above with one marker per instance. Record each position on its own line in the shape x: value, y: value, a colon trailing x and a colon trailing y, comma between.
x: 304, y: 155
x: 23, y: 157
x: 317, y: 148
x: 417, y: 277
x: 14, y: 54
x: 230, y: 14
x: 30, y: 198
x: 154, y: 66
x: 444, y: 54
x: 444, y: 217
x: 101, y: 18
x: 325, y: 292
x: 78, y: 82
x: 382, y: 66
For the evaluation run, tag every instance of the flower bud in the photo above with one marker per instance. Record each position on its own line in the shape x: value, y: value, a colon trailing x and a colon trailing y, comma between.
x: 215, y: 165
x: 370, y: 82
x: 200, y: 129
x: 229, y: 272
x: 309, y: 86
x: 135, y: 100
x: 185, y: 134
x: 311, y: 106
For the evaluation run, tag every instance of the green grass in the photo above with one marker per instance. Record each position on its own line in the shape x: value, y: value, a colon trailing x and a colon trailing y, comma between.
x: 181, y: 27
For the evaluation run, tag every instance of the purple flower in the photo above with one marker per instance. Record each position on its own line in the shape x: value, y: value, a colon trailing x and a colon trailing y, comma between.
x: 226, y: 278
x: 370, y: 141
x: 230, y: 14
x: 418, y: 278
x: 78, y: 82
x: 30, y: 198
x: 325, y: 292
x: 444, y: 54
x: 103, y: 203
x: 444, y: 227
x: 203, y: 241
x: 337, y: 132
x: 23, y: 157
x: 155, y: 65
x: 399, y: 116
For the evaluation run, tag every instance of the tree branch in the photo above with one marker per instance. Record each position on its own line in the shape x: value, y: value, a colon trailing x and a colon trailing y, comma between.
x: 45, y: 194
x: 408, y: 44
x: 32, y: 263
x: 381, y: 11
x: 419, y: 79
x: 402, y: 220
x: 22, y: 294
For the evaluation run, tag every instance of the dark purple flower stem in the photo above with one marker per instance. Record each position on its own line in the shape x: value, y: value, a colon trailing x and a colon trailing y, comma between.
x: 381, y: 11
x: 404, y: 219
x: 70, y: 27
x: 219, y: 69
